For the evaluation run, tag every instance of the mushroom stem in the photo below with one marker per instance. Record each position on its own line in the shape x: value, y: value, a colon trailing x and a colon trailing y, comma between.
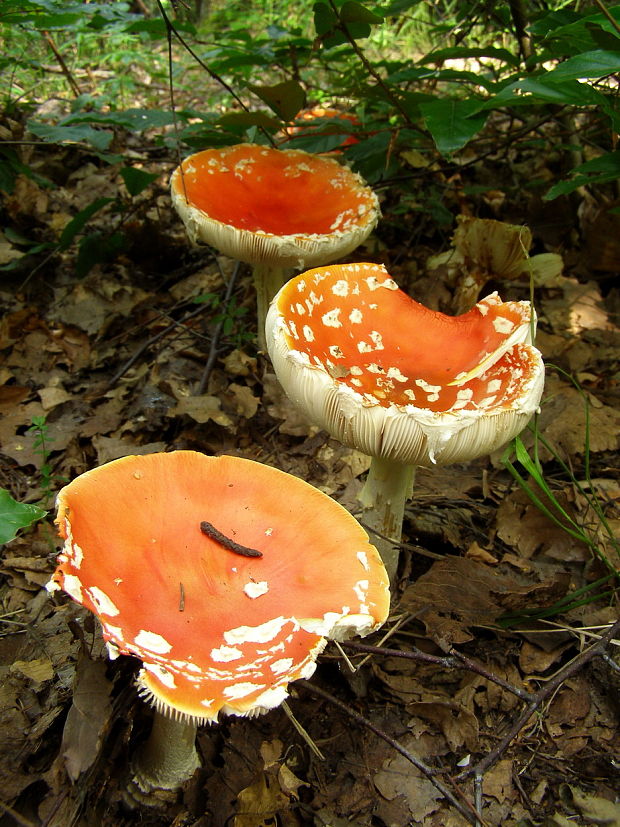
x: 388, y: 486
x: 168, y: 757
x: 267, y: 281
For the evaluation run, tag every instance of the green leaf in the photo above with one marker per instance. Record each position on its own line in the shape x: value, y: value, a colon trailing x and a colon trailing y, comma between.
x: 137, y: 180
x: 328, y: 26
x: 452, y: 123
x: 98, y: 138
x: 324, y: 19
x: 315, y: 142
x: 465, y: 52
x: 77, y: 223
x: 527, y: 91
x: 400, y: 6
x: 597, y: 171
x: 134, y: 120
x: 595, y: 64
x: 156, y: 27
x: 245, y: 119
x: 15, y: 515
x: 353, y: 12
x: 286, y: 99
x: 97, y: 248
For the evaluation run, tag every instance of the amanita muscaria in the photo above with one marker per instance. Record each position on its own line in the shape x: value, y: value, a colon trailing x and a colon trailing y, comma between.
x: 224, y: 576
x: 407, y: 385
x: 275, y: 209
x: 310, y: 122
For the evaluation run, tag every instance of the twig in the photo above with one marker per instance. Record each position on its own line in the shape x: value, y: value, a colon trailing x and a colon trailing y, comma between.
x: 610, y: 662
x: 454, y: 661
x: 302, y: 731
x: 213, y: 74
x: 204, y: 379
x: 423, y: 552
x: 466, y: 810
x: 372, y: 71
x: 63, y: 66
x: 18, y: 818
x: 611, y: 19
x: 145, y: 345
x: 596, y: 650
x: 478, y: 796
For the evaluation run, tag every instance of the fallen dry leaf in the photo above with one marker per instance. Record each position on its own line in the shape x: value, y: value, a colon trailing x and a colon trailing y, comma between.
x: 201, y: 409
x: 458, y: 724
x: 448, y: 610
x: 38, y: 671
x: 563, y: 423
x: 398, y: 777
x: 246, y: 404
x: 88, y: 715
x: 109, y: 448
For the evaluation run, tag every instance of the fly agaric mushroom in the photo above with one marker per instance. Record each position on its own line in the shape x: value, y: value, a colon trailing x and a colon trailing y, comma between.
x: 274, y: 209
x: 311, y: 122
x: 224, y: 576
x: 407, y: 385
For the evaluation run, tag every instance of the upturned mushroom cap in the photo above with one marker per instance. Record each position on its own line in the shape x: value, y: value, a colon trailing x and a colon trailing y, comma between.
x: 383, y: 373
x: 284, y: 208
x: 215, y: 631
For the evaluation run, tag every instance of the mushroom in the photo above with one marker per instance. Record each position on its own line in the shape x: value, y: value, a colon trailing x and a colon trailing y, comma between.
x: 311, y: 122
x: 407, y: 385
x: 274, y: 209
x: 223, y: 575
x: 487, y: 250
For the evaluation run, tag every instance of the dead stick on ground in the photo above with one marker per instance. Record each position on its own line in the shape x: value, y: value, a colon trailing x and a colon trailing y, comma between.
x: 18, y: 818
x: 465, y: 809
x: 151, y: 341
x: 454, y: 661
x: 215, y: 341
x: 596, y: 650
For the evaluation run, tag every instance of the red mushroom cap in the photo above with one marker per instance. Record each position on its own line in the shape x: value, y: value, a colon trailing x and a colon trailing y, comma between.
x: 283, y: 208
x: 309, y: 122
x: 216, y: 631
x: 385, y: 374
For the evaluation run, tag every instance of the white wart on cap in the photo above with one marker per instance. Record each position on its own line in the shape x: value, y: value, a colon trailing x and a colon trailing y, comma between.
x: 383, y: 373
x: 216, y: 631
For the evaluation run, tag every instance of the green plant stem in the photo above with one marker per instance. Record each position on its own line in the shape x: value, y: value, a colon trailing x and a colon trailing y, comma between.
x: 388, y: 486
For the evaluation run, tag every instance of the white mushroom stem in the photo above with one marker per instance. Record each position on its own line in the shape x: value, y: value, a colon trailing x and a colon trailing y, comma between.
x: 388, y: 486
x: 267, y: 281
x: 168, y: 757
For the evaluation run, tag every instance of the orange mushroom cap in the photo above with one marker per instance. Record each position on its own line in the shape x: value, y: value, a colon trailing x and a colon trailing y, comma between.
x: 307, y: 121
x: 284, y: 208
x: 385, y: 374
x: 215, y: 631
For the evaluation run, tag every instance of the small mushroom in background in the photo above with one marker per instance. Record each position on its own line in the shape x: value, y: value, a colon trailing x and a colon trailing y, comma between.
x: 404, y: 384
x: 224, y: 576
x: 320, y: 120
x: 484, y: 250
x: 275, y: 209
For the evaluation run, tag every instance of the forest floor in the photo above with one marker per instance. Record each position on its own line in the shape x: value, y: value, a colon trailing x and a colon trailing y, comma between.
x: 517, y: 720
